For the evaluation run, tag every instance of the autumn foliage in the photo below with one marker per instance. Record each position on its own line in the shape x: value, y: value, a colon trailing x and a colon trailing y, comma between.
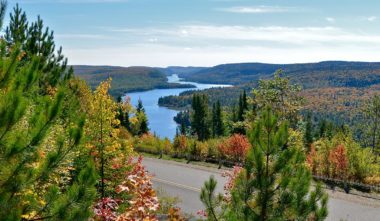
x: 142, y: 201
x: 235, y: 148
x: 339, y: 161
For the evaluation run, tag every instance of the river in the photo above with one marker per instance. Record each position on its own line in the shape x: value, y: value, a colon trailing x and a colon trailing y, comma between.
x: 161, y: 120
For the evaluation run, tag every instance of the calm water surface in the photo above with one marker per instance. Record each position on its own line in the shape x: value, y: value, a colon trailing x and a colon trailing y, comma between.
x: 161, y: 118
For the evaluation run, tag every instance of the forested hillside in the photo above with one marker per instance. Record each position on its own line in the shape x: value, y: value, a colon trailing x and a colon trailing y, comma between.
x: 309, y: 75
x: 333, y: 89
x: 126, y: 79
x: 181, y: 70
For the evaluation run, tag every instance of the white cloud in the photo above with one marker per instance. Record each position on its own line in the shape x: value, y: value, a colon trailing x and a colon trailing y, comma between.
x: 330, y: 19
x: 208, y: 45
x: 257, y: 9
x: 83, y: 36
x: 153, y: 40
x: 248, y: 34
x: 164, y: 55
x: 371, y: 18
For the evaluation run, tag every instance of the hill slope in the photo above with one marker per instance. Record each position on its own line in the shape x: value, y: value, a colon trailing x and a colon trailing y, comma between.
x: 125, y: 79
x: 309, y: 75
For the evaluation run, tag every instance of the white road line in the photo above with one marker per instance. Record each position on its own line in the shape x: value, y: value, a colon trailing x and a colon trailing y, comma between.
x: 176, y: 184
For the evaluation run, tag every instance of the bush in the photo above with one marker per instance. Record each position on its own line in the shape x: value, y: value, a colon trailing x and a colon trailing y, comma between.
x: 180, y: 146
x: 147, y: 143
x: 343, y: 158
x: 213, y: 149
x: 235, y: 148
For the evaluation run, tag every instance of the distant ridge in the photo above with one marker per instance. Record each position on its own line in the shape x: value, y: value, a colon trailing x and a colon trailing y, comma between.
x: 310, y: 75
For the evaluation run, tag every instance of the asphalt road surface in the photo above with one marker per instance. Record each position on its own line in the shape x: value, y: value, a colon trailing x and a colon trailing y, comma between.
x: 185, y: 182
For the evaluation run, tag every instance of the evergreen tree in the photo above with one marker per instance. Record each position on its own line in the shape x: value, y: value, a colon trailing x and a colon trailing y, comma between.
x: 183, y: 128
x: 372, y: 117
x: 234, y: 116
x: 36, y: 40
x: 40, y: 135
x: 243, y: 106
x: 218, y: 127
x: 308, y: 137
x: 126, y: 121
x: 214, y: 120
x: 142, y: 119
x: 274, y: 183
x: 143, y: 122
x: 199, y: 117
x: 140, y: 107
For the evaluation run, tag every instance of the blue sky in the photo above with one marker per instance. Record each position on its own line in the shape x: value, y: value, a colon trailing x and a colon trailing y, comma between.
x: 210, y: 32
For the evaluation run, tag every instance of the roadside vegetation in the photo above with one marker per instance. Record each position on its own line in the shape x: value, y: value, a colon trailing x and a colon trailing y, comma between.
x: 68, y: 149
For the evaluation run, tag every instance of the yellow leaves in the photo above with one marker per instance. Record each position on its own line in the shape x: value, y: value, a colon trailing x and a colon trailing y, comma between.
x: 29, y: 215
x: 295, y: 139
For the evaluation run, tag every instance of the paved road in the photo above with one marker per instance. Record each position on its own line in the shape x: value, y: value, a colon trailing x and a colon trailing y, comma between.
x: 185, y: 182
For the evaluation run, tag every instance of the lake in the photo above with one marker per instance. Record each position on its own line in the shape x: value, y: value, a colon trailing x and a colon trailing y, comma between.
x: 161, y: 120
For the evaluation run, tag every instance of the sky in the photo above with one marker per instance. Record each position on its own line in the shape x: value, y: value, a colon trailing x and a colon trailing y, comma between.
x: 164, y: 33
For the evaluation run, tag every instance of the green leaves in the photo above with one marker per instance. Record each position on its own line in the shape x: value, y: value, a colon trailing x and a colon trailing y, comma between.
x: 210, y: 199
x: 275, y: 183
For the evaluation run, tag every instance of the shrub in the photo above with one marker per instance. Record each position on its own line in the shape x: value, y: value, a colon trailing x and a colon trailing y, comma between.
x: 147, y: 143
x: 235, y: 148
x: 343, y: 158
x: 180, y: 145
x: 339, y: 162
x: 167, y: 147
x: 213, y: 148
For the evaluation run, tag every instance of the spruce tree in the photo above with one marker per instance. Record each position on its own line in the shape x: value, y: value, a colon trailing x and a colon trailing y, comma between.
x: 218, y: 127
x: 40, y: 135
x: 308, y: 137
x: 214, y: 120
x: 274, y: 183
x: 142, y: 119
x: 143, y: 122
x: 140, y: 107
x: 243, y: 106
x: 200, y: 117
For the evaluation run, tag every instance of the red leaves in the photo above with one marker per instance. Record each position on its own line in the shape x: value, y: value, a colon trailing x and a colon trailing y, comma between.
x: 311, y: 159
x: 105, y: 209
x: 229, y: 185
x: 331, y: 162
x: 339, y: 161
x: 235, y: 147
x: 142, y: 201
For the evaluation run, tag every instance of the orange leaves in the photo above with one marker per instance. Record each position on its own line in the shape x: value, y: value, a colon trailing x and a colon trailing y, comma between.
x: 339, y: 161
x: 331, y: 162
x: 235, y: 148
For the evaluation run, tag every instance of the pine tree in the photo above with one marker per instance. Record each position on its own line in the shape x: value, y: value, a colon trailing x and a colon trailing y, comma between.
x: 214, y: 120
x: 243, y: 106
x: 218, y: 127
x: 142, y: 126
x: 36, y: 40
x: 183, y: 128
x: 39, y: 138
x: 308, y: 137
x: 140, y: 107
x: 274, y: 183
x: 200, y: 117
x: 143, y: 122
